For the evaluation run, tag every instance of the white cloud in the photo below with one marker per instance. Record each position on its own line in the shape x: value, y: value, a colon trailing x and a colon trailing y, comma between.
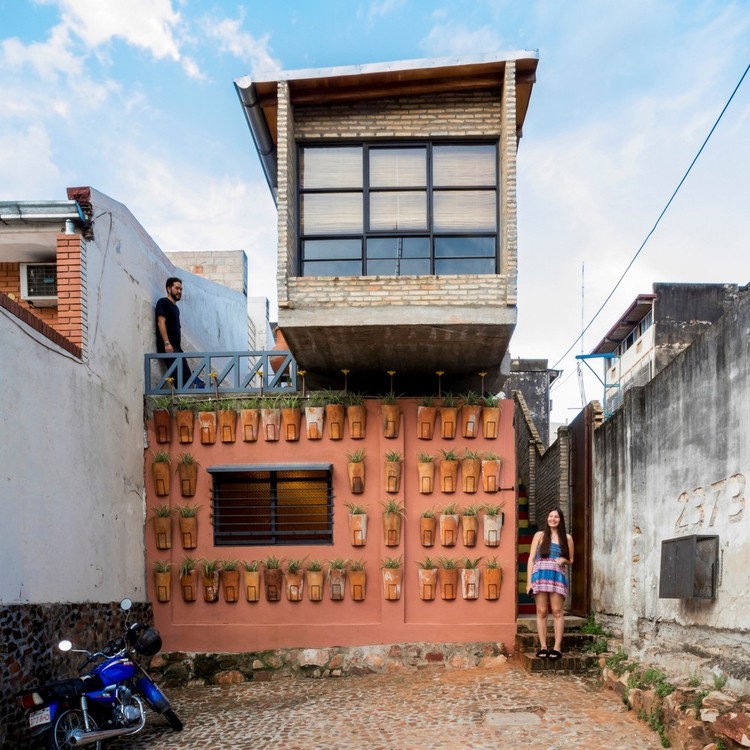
x: 191, y: 68
x: 241, y: 44
x: 381, y: 8
x: 49, y: 59
x: 27, y: 165
x: 447, y: 39
x: 146, y: 24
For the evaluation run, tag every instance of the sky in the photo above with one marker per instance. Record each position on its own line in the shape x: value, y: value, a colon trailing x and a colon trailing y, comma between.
x: 136, y: 99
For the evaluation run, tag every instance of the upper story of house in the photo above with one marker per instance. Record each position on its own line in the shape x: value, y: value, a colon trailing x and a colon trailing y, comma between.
x: 655, y: 328
x: 395, y: 185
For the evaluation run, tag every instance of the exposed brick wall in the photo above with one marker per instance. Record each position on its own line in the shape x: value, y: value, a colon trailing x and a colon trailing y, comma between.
x: 287, y: 194
x: 10, y: 284
x: 529, y: 450
x: 508, y: 201
x: 72, y: 306
x: 226, y: 267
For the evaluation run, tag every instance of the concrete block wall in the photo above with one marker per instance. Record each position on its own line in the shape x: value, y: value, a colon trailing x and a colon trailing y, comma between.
x: 225, y: 267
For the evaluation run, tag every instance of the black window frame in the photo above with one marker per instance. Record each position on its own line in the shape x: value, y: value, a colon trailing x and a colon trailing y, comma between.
x: 435, y: 260
x: 228, y: 532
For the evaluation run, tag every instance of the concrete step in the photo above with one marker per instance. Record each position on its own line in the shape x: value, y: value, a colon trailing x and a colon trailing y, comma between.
x: 571, y: 662
x: 528, y: 624
x: 572, y: 641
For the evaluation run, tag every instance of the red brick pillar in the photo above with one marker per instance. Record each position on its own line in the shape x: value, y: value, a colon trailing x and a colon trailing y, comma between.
x: 72, y: 308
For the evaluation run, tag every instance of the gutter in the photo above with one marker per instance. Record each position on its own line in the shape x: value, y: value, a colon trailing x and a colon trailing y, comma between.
x: 264, y: 144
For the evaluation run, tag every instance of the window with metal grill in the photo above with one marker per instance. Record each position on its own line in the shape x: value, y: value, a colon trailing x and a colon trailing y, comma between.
x: 272, y: 505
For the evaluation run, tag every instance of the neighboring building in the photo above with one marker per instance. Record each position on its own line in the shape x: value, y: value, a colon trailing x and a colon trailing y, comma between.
x: 73, y: 334
x: 655, y: 329
x: 533, y: 378
x: 396, y: 192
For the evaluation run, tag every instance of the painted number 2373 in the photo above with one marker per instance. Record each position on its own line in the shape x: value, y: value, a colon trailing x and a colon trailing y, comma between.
x: 703, y: 505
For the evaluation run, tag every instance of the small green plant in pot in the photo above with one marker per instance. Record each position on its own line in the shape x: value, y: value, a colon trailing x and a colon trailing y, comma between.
x: 392, y: 577
x: 393, y: 515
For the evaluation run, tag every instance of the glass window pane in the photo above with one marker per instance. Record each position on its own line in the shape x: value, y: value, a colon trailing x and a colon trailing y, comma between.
x: 388, y: 247
x: 463, y: 247
x: 415, y: 267
x: 332, y: 249
x: 464, y: 210
x: 332, y: 268
x: 464, y: 165
x: 382, y: 267
x: 395, y: 267
x: 331, y: 167
x: 331, y: 213
x: 398, y: 167
x: 464, y: 266
x: 398, y: 210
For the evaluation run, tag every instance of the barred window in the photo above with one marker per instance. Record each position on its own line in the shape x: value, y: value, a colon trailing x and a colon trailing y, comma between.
x: 272, y: 505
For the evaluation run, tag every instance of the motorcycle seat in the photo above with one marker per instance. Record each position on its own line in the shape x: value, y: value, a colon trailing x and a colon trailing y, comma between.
x: 71, y: 687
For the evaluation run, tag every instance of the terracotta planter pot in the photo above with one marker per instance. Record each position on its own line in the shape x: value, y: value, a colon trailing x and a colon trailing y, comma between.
x: 160, y: 475
x: 211, y: 587
x: 427, y: 578
x: 162, y: 586
x: 448, y: 583
x: 392, y: 578
x: 189, y: 586
x: 356, y: 420
x: 188, y: 474
x: 448, y: 530
x: 358, y: 529
x: 335, y: 421
x: 469, y: 530
x: 336, y: 583
x: 249, y: 420
x: 162, y: 425
x: 272, y: 579
x: 426, y: 473
x: 314, y: 580
x: 471, y: 415
x: 207, y: 427
x: 392, y: 476
x: 295, y: 585
x: 230, y: 584
x: 491, y: 528
x: 490, y: 421
x: 427, y: 528
x: 227, y: 425
x: 448, y: 422
x: 189, y: 532
x: 470, y: 583
x: 358, y: 585
x: 448, y: 476
x: 356, y: 472
x: 392, y: 529
x: 252, y: 585
x: 314, y: 418
x: 291, y: 423
x: 185, y: 422
x: 493, y: 580
x: 271, y: 421
x: 490, y: 475
x: 391, y: 417
x: 163, y: 532
x: 470, y: 470
x: 426, y: 422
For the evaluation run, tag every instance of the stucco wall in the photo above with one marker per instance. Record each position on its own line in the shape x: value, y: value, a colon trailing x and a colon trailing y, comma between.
x: 674, y: 461
x: 72, y: 431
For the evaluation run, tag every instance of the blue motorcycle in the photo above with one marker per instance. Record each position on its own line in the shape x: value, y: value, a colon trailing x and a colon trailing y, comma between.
x: 107, y: 701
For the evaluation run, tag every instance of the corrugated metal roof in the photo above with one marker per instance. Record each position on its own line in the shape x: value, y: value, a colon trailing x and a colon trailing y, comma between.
x: 627, y: 322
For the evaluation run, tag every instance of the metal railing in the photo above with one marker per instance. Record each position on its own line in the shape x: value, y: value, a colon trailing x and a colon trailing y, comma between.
x: 229, y: 372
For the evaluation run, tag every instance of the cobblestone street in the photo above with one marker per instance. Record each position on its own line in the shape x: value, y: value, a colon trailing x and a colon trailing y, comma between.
x: 430, y: 709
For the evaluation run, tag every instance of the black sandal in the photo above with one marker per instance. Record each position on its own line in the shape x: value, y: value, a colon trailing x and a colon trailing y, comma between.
x: 554, y: 655
x: 542, y: 653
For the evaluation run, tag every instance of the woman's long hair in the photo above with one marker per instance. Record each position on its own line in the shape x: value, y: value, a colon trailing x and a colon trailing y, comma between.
x: 561, y: 533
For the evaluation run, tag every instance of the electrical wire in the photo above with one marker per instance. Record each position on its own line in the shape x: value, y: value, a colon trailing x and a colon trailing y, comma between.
x: 656, y: 224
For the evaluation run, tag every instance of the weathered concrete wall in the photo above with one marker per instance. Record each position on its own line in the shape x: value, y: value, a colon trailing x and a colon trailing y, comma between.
x: 674, y: 461
x: 532, y: 378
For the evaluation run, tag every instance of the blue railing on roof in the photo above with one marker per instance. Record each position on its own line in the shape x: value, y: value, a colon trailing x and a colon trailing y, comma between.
x: 234, y: 372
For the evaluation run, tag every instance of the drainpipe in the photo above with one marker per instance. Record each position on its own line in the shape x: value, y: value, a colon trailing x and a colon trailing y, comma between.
x: 264, y: 144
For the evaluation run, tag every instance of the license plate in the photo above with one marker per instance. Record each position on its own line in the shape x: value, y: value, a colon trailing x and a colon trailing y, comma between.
x: 39, y: 717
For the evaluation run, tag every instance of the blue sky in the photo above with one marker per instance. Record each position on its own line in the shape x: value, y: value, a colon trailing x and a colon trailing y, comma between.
x: 136, y: 99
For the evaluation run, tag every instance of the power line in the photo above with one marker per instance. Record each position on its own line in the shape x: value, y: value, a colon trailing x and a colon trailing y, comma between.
x: 656, y: 224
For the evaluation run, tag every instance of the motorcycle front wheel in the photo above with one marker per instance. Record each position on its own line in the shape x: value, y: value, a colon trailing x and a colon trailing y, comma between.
x: 65, y: 723
x: 174, y: 720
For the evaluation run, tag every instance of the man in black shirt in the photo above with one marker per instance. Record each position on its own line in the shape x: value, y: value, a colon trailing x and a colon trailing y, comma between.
x: 168, y: 333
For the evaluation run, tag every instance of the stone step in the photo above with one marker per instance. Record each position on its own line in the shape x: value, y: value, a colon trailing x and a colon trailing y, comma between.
x: 571, y: 662
x: 528, y: 624
x: 572, y: 641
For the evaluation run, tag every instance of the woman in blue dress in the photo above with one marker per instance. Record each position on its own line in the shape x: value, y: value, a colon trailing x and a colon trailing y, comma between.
x: 551, y: 551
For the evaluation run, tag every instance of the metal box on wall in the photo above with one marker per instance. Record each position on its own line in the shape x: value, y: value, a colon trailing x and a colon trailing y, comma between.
x: 689, y: 567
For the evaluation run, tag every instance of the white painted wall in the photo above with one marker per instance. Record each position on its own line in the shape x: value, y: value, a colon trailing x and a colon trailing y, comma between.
x: 675, y: 461
x: 72, y: 437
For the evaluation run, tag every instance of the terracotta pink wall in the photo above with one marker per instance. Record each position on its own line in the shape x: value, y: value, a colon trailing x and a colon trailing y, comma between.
x: 244, y: 626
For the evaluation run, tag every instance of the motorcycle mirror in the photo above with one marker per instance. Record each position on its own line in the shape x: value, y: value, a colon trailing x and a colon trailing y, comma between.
x: 126, y: 604
x: 65, y: 645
